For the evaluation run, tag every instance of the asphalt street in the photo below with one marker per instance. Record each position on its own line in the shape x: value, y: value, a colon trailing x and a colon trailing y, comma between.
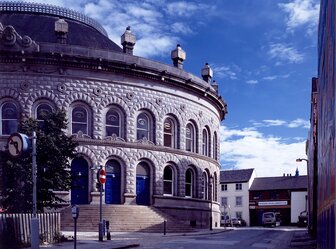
x: 240, y: 238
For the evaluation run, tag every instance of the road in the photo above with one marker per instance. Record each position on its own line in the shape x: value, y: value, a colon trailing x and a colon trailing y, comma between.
x: 237, y: 239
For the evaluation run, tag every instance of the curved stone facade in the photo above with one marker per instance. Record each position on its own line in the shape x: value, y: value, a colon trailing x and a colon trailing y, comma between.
x: 145, y: 122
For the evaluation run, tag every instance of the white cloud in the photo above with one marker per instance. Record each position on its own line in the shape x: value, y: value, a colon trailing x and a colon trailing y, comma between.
x: 184, y: 8
x: 252, y: 82
x: 270, y: 156
x: 226, y: 72
x: 296, y: 123
x: 299, y: 123
x: 301, y: 13
x: 274, y: 77
x: 285, y: 53
x: 158, y: 24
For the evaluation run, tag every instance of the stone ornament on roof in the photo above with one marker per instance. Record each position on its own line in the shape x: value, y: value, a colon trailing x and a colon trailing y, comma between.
x: 10, y: 40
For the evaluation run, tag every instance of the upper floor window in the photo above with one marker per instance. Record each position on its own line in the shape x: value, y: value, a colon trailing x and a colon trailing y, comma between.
x: 239, y: 201
x: 224, y: 187
x: 170, y: 133
x: 239, y: 186
x: 190, y: 137
x: 114, y: 122
x: 168, y: 181
x: 80, y: 120
x: 205, y: 142
x: 224, y: 201
x: 9, y: 118
x: 215, y: 152
x: 43, y: 111
x: 189, y: 183
x: 144, y: 126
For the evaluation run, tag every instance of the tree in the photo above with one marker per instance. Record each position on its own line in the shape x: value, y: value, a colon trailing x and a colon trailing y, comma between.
x: 54, y: 152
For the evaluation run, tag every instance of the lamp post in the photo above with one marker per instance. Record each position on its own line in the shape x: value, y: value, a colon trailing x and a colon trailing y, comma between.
x: 299, y: 160
x: 211, y: 186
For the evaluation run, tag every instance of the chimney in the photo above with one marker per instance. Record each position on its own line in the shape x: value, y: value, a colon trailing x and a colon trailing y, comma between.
x: 61, y: 30
x: 297, y: 172
x: 178, y: 55
x: 207, y: 73
x: 128, y: 41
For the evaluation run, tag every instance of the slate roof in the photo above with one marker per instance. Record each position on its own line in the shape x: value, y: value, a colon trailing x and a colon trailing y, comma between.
x: 276, y: 183
x: 231, y: 176
x: 40, y: 27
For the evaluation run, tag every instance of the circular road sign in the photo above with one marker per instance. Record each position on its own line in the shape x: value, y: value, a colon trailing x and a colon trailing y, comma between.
x: 17, y: 144
x: 102, y: 176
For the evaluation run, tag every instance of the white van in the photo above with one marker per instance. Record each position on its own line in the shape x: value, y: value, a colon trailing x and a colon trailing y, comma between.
x: 269, y: 219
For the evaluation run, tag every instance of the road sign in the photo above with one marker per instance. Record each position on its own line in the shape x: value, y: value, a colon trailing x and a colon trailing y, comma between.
x: 18, y: 143
x: 102, y: 176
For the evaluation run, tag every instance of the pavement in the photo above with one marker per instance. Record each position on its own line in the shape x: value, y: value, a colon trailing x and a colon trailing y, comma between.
x: 120, y: 240
x: 302, y: 239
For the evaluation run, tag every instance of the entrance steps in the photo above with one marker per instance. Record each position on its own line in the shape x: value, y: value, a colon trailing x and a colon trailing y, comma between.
x: 123, y: 218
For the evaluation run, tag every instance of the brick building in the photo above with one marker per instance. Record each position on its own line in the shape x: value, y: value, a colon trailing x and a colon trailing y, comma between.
x: 286, y: 195
x: 153, y: 127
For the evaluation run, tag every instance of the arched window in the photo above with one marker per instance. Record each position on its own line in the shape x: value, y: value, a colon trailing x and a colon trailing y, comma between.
x: 205, y: 139
x: 144, y: 126
x: 190, y: 138
x: 214, y: 146
x: 168, y: 181
x: 205, y: 186
x: 9, y: 118
x: 43, y: 111
x: 189, y: 183
x: 170, y: 133
x: 113, y: 122
x: 80, y: 120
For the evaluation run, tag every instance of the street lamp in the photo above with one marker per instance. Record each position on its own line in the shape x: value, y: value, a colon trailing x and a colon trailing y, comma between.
x: 211, y: 186
x: 299, y: 160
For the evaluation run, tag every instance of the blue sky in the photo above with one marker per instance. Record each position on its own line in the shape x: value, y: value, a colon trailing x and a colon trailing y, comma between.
x: 262, y: 52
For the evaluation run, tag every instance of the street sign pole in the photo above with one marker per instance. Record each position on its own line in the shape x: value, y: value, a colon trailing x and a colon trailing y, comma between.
x: 35, y: 240
x: 101, y: 180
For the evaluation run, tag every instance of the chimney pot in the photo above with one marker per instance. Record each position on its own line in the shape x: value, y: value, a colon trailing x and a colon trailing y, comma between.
x: 207, y: 73
x: 128, y: 41
x: 178, y: 55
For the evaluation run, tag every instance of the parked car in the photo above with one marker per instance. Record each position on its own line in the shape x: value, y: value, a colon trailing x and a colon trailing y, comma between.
x: 226, y: 221
x: 236, y: 222
x: 303, y: 219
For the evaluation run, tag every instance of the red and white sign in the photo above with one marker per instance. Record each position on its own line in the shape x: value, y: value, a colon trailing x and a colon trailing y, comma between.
x: 102, y: 176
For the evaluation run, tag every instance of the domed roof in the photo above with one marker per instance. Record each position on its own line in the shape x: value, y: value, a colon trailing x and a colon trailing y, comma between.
x: 38, y: 22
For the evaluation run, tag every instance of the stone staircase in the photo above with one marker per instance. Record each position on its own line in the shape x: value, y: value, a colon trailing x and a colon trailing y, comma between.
x: 123, y: 218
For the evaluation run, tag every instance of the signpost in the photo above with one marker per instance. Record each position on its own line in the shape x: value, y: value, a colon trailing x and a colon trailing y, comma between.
x: 101, y: 179
x: 18, y: 144
x: 75, y: 213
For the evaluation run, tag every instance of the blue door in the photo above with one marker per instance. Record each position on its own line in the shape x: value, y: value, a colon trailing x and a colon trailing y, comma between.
x: 142, y: 190
x: 79, y: 181
x: 112, y: 188
x: 113, y: 183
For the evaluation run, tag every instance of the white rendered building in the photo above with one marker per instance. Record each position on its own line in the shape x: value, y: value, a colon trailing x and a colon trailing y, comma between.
x: 234, y: 193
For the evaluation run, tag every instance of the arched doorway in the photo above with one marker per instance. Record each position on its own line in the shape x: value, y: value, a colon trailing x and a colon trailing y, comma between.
x: 143, y: 184
x: 113, y: 182
x: 79, y: 181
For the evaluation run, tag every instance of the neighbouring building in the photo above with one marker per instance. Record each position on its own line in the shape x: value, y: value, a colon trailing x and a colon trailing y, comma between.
x: 153, y: 127
x: 234, y: 193
x: 321, y: 143
x: 286, y: 195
